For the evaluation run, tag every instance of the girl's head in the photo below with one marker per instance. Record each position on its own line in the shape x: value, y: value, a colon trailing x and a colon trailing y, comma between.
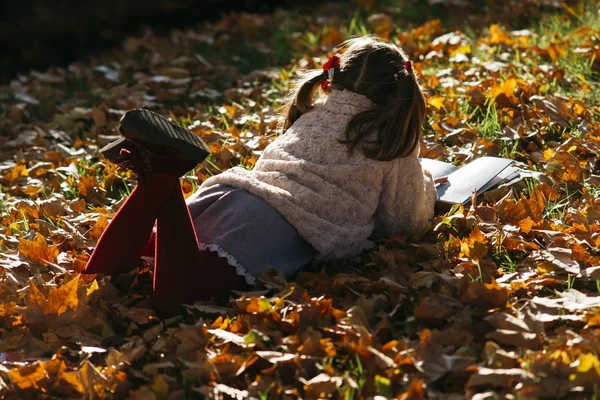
x: 377, y: 70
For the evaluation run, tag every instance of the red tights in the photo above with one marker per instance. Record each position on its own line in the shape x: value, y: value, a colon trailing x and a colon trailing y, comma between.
x: 182, y: 273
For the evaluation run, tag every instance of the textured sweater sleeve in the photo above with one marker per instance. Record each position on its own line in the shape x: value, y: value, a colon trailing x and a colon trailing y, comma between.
x: 407, y: 199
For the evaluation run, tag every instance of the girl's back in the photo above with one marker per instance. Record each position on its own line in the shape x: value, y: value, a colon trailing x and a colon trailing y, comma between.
x: 349, y: 161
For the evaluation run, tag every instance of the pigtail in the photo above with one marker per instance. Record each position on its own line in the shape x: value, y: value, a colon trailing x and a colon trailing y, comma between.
x: 300, y: 100
x: 401, y: 133
x: 397, y: 121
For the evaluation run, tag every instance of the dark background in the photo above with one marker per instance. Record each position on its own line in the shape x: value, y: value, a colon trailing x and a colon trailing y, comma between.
x: 35, y: 34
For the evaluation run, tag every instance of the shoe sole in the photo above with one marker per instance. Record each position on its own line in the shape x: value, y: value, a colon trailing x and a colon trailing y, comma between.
x: 147, y: 126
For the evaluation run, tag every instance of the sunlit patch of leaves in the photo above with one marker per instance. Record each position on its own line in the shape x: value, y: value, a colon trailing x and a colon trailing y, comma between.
x: 495, y: 299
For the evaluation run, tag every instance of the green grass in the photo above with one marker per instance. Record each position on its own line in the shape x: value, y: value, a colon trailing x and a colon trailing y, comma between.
x: 489, y: 126
x: 576, y: 64
x: 505, y: 259
x: 555, y: 210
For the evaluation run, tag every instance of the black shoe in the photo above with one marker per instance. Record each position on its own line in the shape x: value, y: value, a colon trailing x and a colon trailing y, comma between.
x: 146, y: 127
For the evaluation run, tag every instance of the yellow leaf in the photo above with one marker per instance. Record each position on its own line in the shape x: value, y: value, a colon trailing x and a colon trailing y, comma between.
x: 27, y: 376
x: 526, y: 225
x: 72, y: 378
x: 35, y: 297
x: 506, y: 88
x: 498, y: 36
x: 8, y: 308
x: 588, y: 362
x: 548, y: 154
x: 38, y: 249
x: 59, y: 299
x: 16, y: 172
x: 258, y: 305
x: 62, y: 298
x: 215, y: 148
x: 436, y: 101
x: 560, y: 355
x: 160, y: 387
x: 474, y: 246
x: 518, y: 285
x: 98, y: 228
x: 93, y: 287
x: 464, y: 49
x: 545, y: 267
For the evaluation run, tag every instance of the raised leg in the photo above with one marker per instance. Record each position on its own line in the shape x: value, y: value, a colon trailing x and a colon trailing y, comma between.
x: 184, y: 274
x: 126, y: 236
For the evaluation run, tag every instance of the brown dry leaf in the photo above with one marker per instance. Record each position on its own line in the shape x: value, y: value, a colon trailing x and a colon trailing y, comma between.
x: 437, y: 307
x: 320, y: 334
x: 382, y: 24
x: 99, y: 116
x: 519, y: 339
x: 499, y: 378
x: 565, y: 167
x: 434, y: 363
x: 483, y: 295
x: 333, y: 37
x: 321, y: 385
x: 416, y: 391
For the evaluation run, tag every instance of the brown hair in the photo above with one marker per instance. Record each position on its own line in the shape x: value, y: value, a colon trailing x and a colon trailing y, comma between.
x: 376, y: 70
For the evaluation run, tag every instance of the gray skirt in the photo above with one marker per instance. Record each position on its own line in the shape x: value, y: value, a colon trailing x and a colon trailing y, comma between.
x: 248, y: 232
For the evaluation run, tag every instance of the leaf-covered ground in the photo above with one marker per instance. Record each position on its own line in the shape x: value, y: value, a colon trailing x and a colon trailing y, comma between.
x: 498, y: 300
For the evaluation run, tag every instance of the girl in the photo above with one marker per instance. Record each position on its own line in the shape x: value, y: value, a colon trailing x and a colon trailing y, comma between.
x: 344, y: 165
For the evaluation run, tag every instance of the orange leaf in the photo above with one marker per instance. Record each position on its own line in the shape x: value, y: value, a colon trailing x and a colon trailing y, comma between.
x: 556, y: 51
x: 86, y: 183
x: 98, y: 228
x: 474, y: 246
x: 526, y: 225
x: 27, y: 376
x: 16, y: 172
x: 332, y: 38
x: 498, y: 36
x: 38, y: 249
x: 506, y: 88
x: 58, y: 299
x: 62, y: 298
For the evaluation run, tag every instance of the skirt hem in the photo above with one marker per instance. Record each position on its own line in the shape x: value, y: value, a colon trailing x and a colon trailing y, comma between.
x: 239, y: 269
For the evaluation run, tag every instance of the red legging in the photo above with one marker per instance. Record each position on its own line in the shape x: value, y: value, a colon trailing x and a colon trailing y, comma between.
x: 182, y: 273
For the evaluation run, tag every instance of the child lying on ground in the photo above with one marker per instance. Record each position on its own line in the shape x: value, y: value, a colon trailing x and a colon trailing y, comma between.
x: 343, y: 165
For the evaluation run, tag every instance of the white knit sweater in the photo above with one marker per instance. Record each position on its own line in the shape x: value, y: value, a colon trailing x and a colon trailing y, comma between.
x: 332, y: 198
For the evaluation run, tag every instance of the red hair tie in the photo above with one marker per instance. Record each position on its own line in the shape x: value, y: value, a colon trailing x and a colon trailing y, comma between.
x: 329, y: 67
x: 408, y: 66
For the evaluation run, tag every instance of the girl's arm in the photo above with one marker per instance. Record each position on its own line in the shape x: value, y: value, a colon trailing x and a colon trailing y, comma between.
x: 407, y: 198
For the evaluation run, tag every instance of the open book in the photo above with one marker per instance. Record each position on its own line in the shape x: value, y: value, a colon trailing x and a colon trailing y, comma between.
x: 479, y: 176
